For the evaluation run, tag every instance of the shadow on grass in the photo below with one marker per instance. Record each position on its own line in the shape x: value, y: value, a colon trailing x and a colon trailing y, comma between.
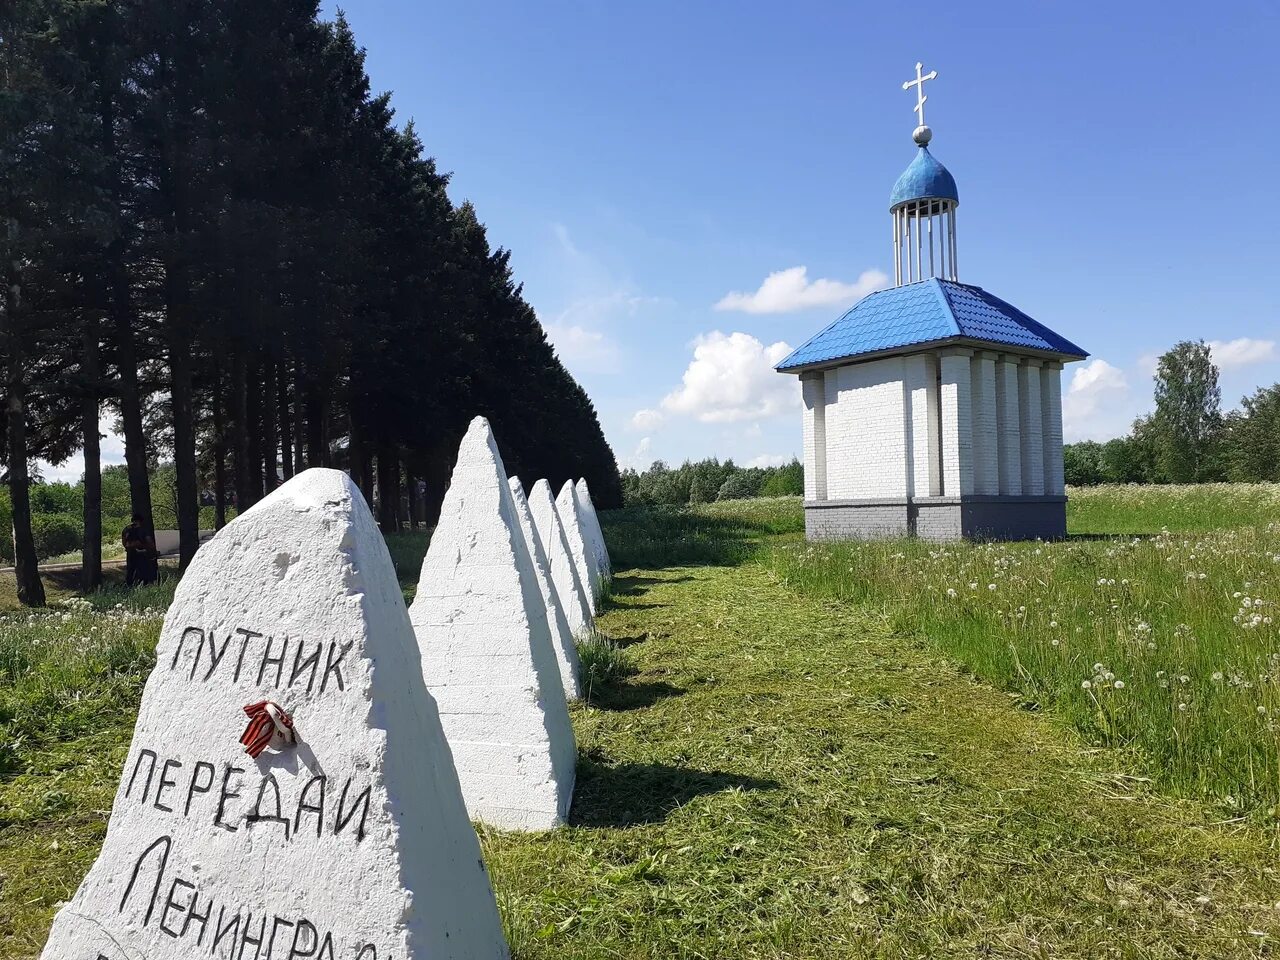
x: 621, y: 697
x: 637, y: 586
x: 654, y: 537
x: 629, y: 794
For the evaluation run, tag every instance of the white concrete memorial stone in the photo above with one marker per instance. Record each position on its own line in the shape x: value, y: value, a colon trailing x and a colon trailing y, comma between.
x: 339, y: 832
x: 579, y: 548
x: 487, y: 654
x: 564, y: 575
x: 561, y: 636
x: 591, y: 523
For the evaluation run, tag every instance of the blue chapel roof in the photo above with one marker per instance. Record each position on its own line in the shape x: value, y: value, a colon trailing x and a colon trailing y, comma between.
x: 925, y: 312
x: 924, y: 178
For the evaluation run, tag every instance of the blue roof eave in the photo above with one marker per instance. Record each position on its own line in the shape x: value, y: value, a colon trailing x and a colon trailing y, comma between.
x: 920, y: 347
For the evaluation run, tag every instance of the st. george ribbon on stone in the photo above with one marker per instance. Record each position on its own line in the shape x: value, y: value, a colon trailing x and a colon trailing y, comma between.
x: 561, y: 636
x: 352, y: 841
x: 487, y: 654
x: 591, y: 526
x: 571, y: 590
x: 579, y: 548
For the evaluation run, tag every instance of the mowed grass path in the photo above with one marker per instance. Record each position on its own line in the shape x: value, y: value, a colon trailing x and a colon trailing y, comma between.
x: 784, y: 778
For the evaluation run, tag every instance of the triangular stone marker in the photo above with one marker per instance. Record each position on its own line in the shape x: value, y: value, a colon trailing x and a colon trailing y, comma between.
x: 591, y: 524
x: 583, y: 557
x: 487, y: 654
x: 561, y: 636
x: 564, y: 573
x: 347, y: 836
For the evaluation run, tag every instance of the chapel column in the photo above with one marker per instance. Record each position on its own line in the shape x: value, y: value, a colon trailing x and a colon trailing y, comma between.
x: 1032, y: 428
x: 1008, y: 439
x: 986, y: 470
x: 1051, y: 418
x: 955, y: 403
x: 924, y: 471
x: 813, y: 389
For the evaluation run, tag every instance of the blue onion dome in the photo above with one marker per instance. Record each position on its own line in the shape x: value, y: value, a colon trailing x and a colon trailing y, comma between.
x: 924, y: 179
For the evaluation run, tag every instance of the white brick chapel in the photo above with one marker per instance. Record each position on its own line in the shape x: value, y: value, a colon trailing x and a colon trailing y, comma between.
x: 932, y: 408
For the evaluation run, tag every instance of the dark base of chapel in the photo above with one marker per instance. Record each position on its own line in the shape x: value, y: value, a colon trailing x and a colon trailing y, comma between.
x: 938, y: 518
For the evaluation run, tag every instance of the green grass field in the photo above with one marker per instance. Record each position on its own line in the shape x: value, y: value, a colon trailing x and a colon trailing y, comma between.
x: 796, y: 751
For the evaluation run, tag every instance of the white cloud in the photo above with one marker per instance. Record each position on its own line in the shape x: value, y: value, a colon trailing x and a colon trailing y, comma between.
x: 769, y: 460
x: 583, y: 349
x: 642, y: 458
x: 731, y: 379
x: 1229, y: 354
x: 1098, y: 404
x: 646, y: 420
x: 785, y: 291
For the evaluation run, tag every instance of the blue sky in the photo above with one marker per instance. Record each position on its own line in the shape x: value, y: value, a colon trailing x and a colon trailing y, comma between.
x: 644, y: 161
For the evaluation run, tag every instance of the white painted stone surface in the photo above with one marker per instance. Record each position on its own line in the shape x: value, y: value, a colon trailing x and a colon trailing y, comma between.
x: 1009, y: 442
x: 813, y: 394
x: 351, y: 841
x: 561, y: 636
x: 579, y: 548
x: 564, y: 575
x: 1051, y: 412
x: 921, y: 385
x: 866, y: 443
x: 591, y: 524
x: 957, y: 422
x: 487, y: 654
x: 1030, y: 428
x: 986, y: 468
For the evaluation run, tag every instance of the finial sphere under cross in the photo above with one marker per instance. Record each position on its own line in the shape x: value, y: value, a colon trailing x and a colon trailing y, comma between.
x: 922, y: 134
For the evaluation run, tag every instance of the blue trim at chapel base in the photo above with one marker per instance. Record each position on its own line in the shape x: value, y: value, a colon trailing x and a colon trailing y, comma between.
x: 924, y: 178
x: 925, y: 312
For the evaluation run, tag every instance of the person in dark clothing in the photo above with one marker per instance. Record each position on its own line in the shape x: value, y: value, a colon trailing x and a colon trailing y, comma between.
x: 140, y: 555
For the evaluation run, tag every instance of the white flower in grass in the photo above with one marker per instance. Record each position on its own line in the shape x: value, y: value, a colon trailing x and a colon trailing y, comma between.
x: 991, y: 586
x: 951, y: 592
x: 1262, y: 711
x: 1217, y: 675
x: 1119, y: 684
x: 1085, y: 685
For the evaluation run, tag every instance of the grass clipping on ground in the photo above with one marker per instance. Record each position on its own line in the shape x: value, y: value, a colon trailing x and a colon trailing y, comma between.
x: 762, y: 773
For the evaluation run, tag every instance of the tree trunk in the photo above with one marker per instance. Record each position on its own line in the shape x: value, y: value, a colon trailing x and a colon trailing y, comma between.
x: 253, y: 430
x: 91, y: 549
x: 184, y: 435
x: 239, y: 429
x: 356, y: 453
x: 286, y: 423
x: 436, y: 477
x: 412, y: 483
x: 317, y: 432
x: 270, y: 456
x: 299, y: 422
x: 219, y: 453
x: 25, y: 563
x: 388, y: 484
x: 180, y: 336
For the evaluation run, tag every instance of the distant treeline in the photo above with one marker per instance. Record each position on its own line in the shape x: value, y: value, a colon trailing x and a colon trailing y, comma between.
x: 215, y: 231
x: 709, y: 480
x: 1187, y: 439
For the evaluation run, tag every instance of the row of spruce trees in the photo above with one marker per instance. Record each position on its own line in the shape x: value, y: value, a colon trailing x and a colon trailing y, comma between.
x: 214, y: 230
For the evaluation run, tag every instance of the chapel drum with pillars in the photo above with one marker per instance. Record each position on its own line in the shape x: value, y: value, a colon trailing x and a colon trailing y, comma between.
x: 932, y: 408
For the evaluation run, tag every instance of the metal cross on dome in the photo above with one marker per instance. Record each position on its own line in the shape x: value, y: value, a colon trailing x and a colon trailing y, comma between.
x: 918, y: 83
